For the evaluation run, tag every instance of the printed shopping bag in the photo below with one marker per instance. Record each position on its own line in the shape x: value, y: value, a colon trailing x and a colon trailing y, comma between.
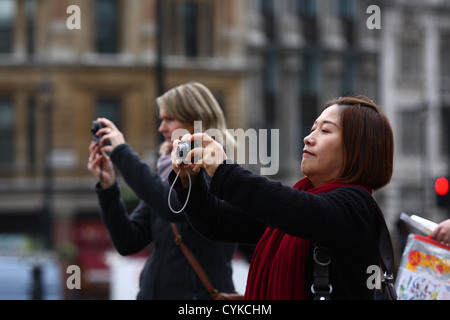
x: 424, y: 271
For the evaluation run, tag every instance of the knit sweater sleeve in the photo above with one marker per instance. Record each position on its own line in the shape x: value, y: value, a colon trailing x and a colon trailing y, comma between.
x: 344, y: 216
x: 215, y: 218
x: 147, y: 184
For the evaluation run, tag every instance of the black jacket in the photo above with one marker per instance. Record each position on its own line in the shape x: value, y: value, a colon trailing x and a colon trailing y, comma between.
x: 167, y: 274
x: 238, y: 206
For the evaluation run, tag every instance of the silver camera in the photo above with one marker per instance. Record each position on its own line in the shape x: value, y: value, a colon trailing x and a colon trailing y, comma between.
x: 183, y: 148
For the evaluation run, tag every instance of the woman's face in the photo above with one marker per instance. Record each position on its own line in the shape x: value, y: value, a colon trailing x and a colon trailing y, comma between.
x: 323, y: 155
x: 169, y: 124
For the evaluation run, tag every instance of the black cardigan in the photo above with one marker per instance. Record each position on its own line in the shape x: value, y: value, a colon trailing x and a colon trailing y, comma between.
x: 167, y: 273
x: 238, y: 206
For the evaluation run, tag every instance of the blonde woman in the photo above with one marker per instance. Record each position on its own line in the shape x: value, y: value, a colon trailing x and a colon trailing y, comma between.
x: 167, y: 273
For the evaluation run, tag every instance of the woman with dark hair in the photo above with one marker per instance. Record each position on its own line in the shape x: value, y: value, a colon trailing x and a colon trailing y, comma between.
x: 347, y: 156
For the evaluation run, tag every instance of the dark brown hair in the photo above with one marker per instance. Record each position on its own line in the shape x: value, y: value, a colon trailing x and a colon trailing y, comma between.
x: 368, y: 142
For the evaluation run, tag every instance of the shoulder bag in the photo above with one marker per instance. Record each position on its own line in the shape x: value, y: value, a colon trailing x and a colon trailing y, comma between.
x: 321, y: 288
x: 215, y: 294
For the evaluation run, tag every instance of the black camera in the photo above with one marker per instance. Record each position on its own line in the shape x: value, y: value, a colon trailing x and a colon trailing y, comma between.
x: 95, y: 127
x: 183, y: 148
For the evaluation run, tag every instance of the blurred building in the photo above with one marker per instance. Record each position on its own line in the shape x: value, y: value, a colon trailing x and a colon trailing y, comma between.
x: 55, y: 80
x: 414, y: 82
x: 316, y: 50
x: 271, y: 64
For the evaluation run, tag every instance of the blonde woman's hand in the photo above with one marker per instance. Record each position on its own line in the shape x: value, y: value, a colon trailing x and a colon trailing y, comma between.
x: 110, y: 133
x: 101, y: 165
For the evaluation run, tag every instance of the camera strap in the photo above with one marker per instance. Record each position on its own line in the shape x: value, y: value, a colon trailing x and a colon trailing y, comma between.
x: 171, y: 188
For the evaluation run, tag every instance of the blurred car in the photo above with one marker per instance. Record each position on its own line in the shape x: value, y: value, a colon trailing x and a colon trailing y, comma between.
x: 27, y: 278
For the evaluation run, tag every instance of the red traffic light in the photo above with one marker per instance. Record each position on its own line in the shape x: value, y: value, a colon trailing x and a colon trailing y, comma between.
x: 441, y: 186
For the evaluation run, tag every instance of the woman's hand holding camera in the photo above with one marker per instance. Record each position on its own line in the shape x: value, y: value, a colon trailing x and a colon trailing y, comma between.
x: 109, y: 132
x: 209, y: 156
x: 99, y: 162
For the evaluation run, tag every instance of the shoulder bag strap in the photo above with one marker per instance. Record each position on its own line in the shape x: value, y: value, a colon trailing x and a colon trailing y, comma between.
x: 321, y: 287
x: 386, y: 254
x: 193, y: 261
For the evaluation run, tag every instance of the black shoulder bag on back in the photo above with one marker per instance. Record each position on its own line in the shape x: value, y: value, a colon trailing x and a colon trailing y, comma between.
x: 321, y: 287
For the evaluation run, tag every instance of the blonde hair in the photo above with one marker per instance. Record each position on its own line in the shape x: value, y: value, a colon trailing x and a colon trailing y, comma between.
x: 191, y: 102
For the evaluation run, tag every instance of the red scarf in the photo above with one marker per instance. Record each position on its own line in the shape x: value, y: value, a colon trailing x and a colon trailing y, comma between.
x: 278, y: 267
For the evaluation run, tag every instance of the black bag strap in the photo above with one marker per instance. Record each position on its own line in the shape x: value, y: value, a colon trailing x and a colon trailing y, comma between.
x: 321, y: 288
x: 385, y: 245
x: 386, y: 255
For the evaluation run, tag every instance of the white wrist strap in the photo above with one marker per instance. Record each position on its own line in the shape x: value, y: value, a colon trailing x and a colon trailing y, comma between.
x: 189, y: 191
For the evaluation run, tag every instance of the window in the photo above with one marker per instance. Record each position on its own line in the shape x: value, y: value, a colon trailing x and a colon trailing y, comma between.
x: 7, y: 15
x: 268, y: 13
x: 109, y: 108
x: 270, y: 66
x: 30, y: 14
x: 309, y: 83
x: 106, y: 26
x: 188, y: 28
x: 7, y: 120
x: 309, y: 114
x: 349, y: 76
x: 445, y: 63
x: 306, y: 7
x: 310, y: 72
x: 445, y: 118
x: 307, y: 11
x: 31, y: 124
x: 346, y: 13
x: 410, y: 60
x: 346, y: 9
x: 270, y: 85
x: 412, y: 132
x: 190, y: 22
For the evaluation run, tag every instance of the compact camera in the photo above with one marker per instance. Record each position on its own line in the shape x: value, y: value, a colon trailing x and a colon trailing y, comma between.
x: 183, y: 148
x: 95, y: 127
